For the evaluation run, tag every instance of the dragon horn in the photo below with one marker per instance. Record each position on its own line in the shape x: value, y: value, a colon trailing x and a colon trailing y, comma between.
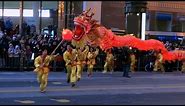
x: 94, y: 10
x: 85, y: 12
x: 88, y: 10
x: 91, y: 14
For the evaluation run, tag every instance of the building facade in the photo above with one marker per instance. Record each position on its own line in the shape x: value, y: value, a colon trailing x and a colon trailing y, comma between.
x: 164, y: 18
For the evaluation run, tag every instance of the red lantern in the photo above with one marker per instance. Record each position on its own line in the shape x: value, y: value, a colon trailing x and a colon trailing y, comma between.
x: 67, y: 34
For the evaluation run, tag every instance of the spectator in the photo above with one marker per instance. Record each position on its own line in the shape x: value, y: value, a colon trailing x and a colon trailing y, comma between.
x: 28, y: 55
x: 36, y: 50
x: 2, y: 54
x: 55, y: 30
x: 50, y: 28
x: 28, y: 30
x: 16, y: 29
x: 32, y: 29
x: 1, y: 34
x: 24, y: 27
x: 17, y: 53
x: 2, y: 25
x: 8, y: 26
x: 126, y: 62
x: 10, y: 55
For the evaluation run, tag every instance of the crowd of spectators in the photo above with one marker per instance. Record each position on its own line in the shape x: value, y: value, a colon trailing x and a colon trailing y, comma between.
x: 15, y: 47
x: 175, y: 44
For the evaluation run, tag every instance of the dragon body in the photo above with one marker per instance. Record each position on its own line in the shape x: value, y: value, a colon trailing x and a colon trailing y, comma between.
x: 88, y: 31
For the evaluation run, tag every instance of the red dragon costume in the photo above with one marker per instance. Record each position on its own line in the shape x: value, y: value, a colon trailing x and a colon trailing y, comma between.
x: 88, y: 31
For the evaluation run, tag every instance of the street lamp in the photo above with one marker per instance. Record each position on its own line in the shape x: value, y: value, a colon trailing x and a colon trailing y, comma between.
x: 136, y: 18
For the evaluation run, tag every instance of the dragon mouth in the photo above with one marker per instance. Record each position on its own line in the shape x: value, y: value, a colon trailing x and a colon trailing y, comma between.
x: 79, y: 31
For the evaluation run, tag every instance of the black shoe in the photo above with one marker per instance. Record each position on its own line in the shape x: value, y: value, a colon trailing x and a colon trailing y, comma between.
x: 73, y: 85
x: 89, y: 75
x: 128, y: 76
x: 123, y: 75
x: 68, y: 80
x: 78, y: 79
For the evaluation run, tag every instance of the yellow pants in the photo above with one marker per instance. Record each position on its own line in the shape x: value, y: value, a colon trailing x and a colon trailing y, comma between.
x: 68, y: 68
x: 79, y: 70
x: 71, y: 73
x: 183, y: 67
x: 42, y: 77
x: 73, y: 77
x: 158, y: 65
x: 108, y: 66
x: 90, y: 68
x: 132, y: 66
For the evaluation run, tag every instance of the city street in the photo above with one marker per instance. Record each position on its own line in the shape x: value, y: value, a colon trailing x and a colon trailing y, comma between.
x: 94, y: 35
x: 143, y: 88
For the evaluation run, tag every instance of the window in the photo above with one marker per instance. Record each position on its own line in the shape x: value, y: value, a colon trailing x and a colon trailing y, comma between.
x: 45, y: 13
x: 164, y: 22
x: 26, y: 13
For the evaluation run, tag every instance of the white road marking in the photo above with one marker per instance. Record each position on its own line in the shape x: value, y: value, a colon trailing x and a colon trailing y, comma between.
x: 25, y: 101
x: 57, y: 83
x: 61, y: 100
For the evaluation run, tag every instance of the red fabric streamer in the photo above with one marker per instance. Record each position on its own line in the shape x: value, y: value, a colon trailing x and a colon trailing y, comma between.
x: 110, y: 40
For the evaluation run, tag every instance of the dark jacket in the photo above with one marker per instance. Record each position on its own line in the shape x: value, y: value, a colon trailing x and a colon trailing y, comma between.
x: 126, y: 56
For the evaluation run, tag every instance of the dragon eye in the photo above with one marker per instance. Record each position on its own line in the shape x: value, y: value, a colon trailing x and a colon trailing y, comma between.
x: 86, y: 21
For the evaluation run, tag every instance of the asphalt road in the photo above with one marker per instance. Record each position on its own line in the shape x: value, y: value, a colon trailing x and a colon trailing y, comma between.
x: 143, y: 88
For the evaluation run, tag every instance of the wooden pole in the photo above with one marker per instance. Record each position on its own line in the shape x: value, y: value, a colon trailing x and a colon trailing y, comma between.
x: 57, y: 47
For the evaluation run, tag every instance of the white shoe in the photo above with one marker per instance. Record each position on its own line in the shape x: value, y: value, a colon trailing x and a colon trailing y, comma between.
x: 104, y: 72
x: 43, y: 91
x: 111, y: 71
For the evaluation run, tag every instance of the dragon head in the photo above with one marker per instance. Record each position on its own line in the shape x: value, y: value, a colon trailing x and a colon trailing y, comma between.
x: 83, y: 24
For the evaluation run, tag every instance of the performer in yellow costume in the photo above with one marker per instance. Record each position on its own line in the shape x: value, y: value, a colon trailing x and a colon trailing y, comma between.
x: 81, y: 60
x: 42, y: 68
x: 133, y: 62
x: 70, y: 56
x: 183, y: 66
x: 159, y: 62
x: 91, y: 56
x: 109, y: 62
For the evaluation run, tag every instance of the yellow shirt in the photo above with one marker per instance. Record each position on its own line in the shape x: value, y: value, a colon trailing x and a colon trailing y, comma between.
x: 38, y: 61
x: 69, y: 58
x: 81, y: 56
x: 160, y: 58
x: 109, y: 58
x: 91, y: 56
x: 133, y: 58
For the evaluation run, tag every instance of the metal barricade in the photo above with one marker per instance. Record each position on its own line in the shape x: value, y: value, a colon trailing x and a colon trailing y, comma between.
x: 26, y: 64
